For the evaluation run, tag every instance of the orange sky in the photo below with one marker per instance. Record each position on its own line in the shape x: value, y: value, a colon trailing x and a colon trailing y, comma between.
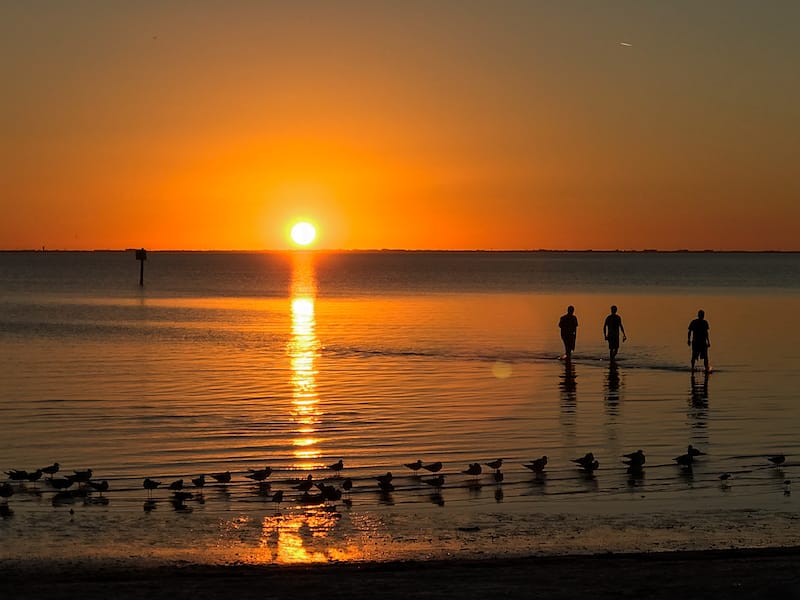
x: 441, y: 125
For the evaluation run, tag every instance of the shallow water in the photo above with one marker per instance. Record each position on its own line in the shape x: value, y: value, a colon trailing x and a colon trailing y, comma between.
x: 240, y: 361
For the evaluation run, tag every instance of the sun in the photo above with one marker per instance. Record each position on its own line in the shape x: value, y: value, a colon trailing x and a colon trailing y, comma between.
x: 303, y: 233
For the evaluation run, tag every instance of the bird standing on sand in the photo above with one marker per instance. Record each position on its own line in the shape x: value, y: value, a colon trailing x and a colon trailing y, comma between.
x: 434, y: 467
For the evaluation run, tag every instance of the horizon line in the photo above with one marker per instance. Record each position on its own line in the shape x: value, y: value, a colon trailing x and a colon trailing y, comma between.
x: 413, y: 250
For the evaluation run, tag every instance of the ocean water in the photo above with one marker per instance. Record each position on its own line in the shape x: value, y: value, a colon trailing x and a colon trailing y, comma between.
x: 226, y: 362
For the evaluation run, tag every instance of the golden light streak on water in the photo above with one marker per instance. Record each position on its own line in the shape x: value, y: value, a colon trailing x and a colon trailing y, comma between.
x: 303, y: 350
x: 305, y: 537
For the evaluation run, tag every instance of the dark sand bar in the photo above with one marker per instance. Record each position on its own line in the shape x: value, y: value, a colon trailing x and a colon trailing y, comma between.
x: 758, y: 573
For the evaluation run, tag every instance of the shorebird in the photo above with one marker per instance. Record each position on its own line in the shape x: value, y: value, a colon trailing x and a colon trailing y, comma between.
x: 52, y: 469
x: 386, y: 486
x: 537, y: 465
x: 692, y: 451
x: 415, y: 466
x: 436, y: 482
x: 222, y: 477
x: 685, y: 460
x: 385, y: 478
x: 17, y: 475
x: 61, y: 483
x: 635, y: 459
x: 82, y: 476
x: 260, y: 474
x: 777, y: 460
x: 495, y: 464
x: 337, y: 466
x: 277, y: 497
x: 434, y: 467
x: 473, y: 469
x: 99, y: 486
x: 176, y: 485
x: 347, y: 485
x: 6, y: 491
x: 305, y: 485
x: 150, y: 485
x: 587, y: 462
x: 199, y: 482
x: 35, y: 476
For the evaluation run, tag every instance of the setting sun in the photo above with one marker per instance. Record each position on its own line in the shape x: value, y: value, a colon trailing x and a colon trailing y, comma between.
x: 303, y: 233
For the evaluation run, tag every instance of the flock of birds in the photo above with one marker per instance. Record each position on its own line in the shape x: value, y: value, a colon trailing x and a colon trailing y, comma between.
x: 81, y: 484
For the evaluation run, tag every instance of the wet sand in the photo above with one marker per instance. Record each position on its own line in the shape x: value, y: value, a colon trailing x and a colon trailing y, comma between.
x: 708, y: 574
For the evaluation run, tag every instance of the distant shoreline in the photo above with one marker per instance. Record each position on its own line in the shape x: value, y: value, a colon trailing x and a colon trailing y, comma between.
x: 400, y: 251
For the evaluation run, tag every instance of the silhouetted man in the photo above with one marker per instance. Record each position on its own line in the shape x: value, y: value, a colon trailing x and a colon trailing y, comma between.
x: 611, y: 330
x: 698, y: 339
x: 569, y: 331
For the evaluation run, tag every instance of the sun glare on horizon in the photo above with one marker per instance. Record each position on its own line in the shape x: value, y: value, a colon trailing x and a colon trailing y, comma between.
x: 303, y: 233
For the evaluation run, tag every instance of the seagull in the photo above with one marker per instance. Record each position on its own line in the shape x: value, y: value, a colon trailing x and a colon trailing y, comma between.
x: 35, y: 476
x: 692, y: 451
x: 52, y: 469
x: 685, y: 460
x: 473, y: 469
x: 82, y: 476
x: 415, y: 466
x: 199, y: 481
x: 277, y: 497
x: 222, y: 477
x: 150, y: 485
x: 176, y: 485
x: 17, y: 475
x: 260, y: 474
x: 495, y: 464
x: 386, y: 486
x: 725, y: 477
x: 777, y: 460
x: 305, y: 485
x: 99, y: 486
x: 537, y: 465
x: 337, y: 466
x: 6, y: 491
x: 385, y: 478
x: 586, y: 461
x: 61, y: 483
x: 433, y: 467
x: 436, y: 482
x: 635, y: 459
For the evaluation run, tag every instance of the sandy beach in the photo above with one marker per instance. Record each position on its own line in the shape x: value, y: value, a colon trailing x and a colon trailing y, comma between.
x: 710, y: 574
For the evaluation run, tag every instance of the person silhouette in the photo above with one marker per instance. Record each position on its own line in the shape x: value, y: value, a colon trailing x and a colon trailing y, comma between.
x: 699, y: 339
x: 611, y: 330
x: 568, y: 324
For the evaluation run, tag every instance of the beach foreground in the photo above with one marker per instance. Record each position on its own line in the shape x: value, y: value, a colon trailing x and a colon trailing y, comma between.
x: 708, y: 574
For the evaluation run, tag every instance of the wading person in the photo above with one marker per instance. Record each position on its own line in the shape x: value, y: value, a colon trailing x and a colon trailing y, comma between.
x: 611, y: 330
x: 699, y: 340
x: 568, y: 324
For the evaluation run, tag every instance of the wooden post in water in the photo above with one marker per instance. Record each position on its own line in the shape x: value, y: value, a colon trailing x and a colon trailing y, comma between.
x: 141, y: 256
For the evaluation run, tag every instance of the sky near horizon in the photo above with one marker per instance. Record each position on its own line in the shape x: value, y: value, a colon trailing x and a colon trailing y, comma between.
x: 439, y: 124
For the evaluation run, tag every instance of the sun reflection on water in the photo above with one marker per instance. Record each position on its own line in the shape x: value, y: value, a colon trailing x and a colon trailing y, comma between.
x: 305, y: 537
x: 302, y: 349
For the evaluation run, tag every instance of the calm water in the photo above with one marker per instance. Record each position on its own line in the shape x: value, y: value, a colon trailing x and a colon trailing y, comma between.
x: 227, y: 362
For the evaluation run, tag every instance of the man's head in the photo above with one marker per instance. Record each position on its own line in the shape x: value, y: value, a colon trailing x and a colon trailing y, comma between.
x: 701, y: 314
x: 613, y: 309
x: 570, y: 309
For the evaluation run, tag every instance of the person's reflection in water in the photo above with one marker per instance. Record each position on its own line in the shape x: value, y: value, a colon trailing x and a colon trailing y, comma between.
x: 698, y: 402
x: 568, y: 387
x: 612, y: 389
